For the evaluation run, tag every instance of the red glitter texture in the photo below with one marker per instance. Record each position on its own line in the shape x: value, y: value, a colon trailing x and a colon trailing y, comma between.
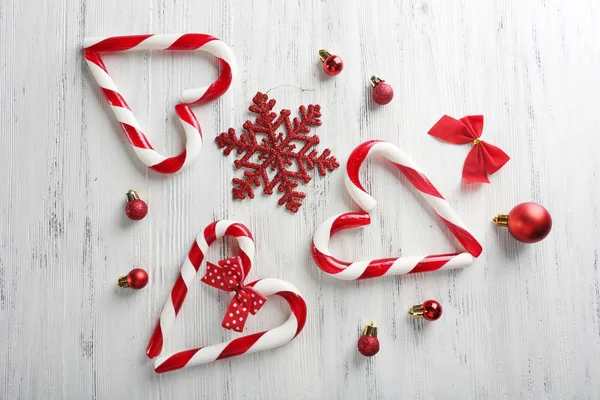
x: 368, y: 346
x: 277, y: 152
x: 136, y: 209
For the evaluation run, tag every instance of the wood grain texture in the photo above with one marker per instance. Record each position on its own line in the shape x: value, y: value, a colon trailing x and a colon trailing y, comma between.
x: 522, y: 323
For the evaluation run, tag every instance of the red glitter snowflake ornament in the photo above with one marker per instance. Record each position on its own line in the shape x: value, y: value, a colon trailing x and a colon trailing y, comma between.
x: 277, y: 152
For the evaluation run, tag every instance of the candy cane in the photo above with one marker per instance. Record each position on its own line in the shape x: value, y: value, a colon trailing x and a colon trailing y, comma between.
x: 130, y: 125
x: 250, y: 343
x: 195, y: 259
x: 398, y: 265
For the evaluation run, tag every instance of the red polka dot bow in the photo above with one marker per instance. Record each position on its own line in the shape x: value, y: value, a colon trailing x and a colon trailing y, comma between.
x: 484, y: 158
x: 229, y: 276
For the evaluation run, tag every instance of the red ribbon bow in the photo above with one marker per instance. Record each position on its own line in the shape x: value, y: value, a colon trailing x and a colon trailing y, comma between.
x: 229, y: 276
x: 484, y: 158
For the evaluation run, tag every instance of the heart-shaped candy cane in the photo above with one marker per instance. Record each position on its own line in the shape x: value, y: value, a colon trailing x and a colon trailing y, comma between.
x: 194, y: 261
x: 130, y: 125
x: 246, y: 344
x: 398, y: 265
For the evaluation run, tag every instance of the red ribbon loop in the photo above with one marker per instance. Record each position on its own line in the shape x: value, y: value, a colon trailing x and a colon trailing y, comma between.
x: 484, y: 159
x: 229, y: 276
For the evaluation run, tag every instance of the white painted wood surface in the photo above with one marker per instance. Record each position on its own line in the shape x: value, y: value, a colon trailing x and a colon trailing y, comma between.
x: 522, y: 323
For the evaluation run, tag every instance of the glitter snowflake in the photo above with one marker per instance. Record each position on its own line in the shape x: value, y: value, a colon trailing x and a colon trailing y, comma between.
x: 264, y: 149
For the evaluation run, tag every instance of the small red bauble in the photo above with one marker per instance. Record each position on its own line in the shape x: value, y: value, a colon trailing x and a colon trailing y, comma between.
x: 368, y: 344
x: 332, y: 64
x: 527, y: 222
x: 382, y: 92
x: 137, y: 279
x: 430, y: 310
x: 136, y: 208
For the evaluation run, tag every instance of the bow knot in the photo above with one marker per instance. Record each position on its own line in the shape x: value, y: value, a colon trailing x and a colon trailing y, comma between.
x: 229, y: 276
x: 238, y: 288
x: 482, y: 160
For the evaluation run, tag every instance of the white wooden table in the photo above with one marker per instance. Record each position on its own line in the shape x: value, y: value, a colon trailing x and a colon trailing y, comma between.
x: 522, y: 323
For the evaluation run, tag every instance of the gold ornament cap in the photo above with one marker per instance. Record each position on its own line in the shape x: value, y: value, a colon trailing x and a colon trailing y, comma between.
x: 416, y: 311
x: 370, y: 330
x: 323, y: 54
x: 375, y: 80
x: 122, y: 282
x: 501, y: 220
x: 132, y: 195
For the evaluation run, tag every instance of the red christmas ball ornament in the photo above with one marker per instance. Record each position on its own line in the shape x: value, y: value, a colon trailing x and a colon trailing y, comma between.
x: 136, y: 279
x: 382, y: 92
x: 430, y: 310
x: 332, y: 64
x: 368, y: 344
x: 136, y: 208
x: 527, y: 222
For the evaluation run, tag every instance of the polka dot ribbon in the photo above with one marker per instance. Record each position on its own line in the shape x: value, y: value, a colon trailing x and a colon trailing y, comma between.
x: 229, y: 276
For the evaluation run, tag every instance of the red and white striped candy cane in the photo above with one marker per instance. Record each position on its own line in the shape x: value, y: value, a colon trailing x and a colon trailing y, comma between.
x: 193, y: 262
x: 169, y: 42
x: 250, y: 343
x: 397, y: 265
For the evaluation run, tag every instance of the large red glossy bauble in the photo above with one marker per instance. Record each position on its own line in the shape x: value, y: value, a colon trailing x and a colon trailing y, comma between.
x: 529, y: 222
